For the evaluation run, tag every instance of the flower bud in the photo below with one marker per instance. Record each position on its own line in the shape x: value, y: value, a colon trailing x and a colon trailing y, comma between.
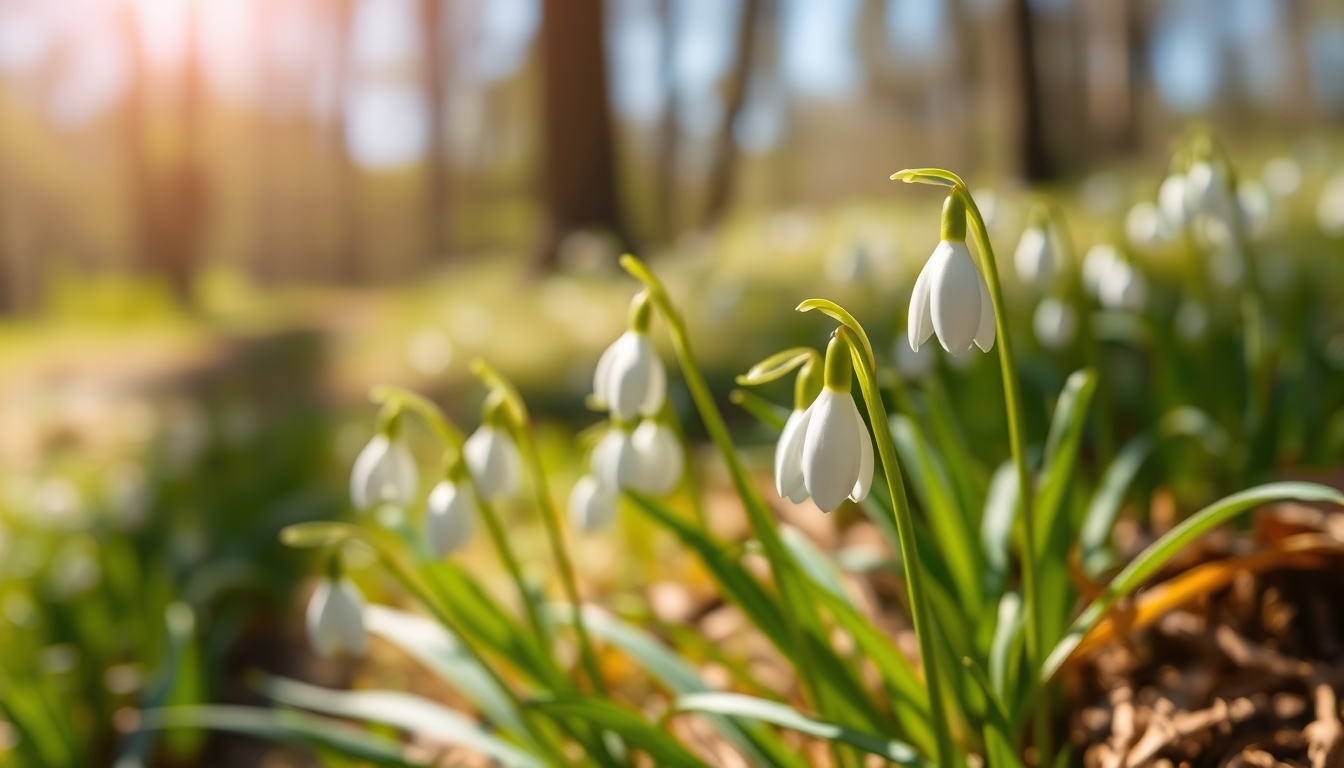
x: 450, y: 518
x: 615, y: 460
x: 660, y: 458
x: 1054, y: 323
x: 592, y: 505
x: 1123, y: 287
x: 494, y: 462
x: 1034, y: 257
x: 383, y: 473
x: 335, y: 618
x: 950, y: 296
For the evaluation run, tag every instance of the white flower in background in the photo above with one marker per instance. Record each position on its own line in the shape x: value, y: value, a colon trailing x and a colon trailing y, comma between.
x: 1054, y: 322
x: 1172, y: 202
x: 383, y: 473
x: 630, y: 380
x: 828, y: 453
x: 494, y: 462
x: 950, y: 296
x: 1283, y: 176
x: 450, y: 518
x: 1123, y: 287
x: 1145, y: 226
x: 1034, y: 257
x: 914, y: 363
x: 1207, y: 191
x: 336, y: 619
x: 660, y: 458
x: 1096, y: 262
x: 615, y: 461
x: 1192, y: 320
x: 1256, y: 207
x: 1330, y: 208
x: 592, y: 504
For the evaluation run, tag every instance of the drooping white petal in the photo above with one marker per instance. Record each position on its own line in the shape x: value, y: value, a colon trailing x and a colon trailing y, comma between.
x: 1095, y: 263
x: 383, y: 473
x: 985, y: 333
x: 789, y: 457
x: 335, y: 619
x: 954, y: 298
x: 1054, y: 323
x: 831, y: 453
x: 615, y: 461
x: 865, y: 481
x: 592, y: 505
x: 1123, y: 287
x: 494, y: 462
x: 1034, y: 258
x: 920, y: 320
x: 602, y: 375
x: 660, y: 458
x: 635, y: 381
x: 451, y: 518
x: 657, y: 389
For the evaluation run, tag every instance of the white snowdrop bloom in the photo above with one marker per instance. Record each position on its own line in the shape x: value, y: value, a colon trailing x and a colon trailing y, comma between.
x: 1283, y: 176
x: 615, y: 460
x: 950, y: 296
x: 1096, y: 262
x: 1330, y: 208
x: 1206, y: 191
x: 1054, y: 322
x: 914, y: 363
x: 450, y: 518
x: 1034, y: 257
x: 383, y: 473
x: 1145, y: 227
x: 828, y: 453
x: 1171, y: 201
x: 1192, y: 320
x: 630, y: 380
x: 1256, y: 207
x: 1123, y: 287
x: 660, y: 457
x: 335, y: 619
x: 592, y: 504
x: 494, y: 462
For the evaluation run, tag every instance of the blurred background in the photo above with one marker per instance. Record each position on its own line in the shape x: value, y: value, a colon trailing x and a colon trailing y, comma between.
x: 221, y: 221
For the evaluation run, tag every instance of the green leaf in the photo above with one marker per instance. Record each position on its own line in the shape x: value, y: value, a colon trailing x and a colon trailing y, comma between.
x: 321, y: 533
x: 282, y: 726
x: 936, y: 176
x: 626, y: 723
x: 1164, y: 549
x: 787, y: 717
x: 818, y: 567
x: 766, y: 412
x: 778, y: 365
x: 440, y: 650
x: 1000, y: 749
x: 1095, y: 534
x: 996, y: 526
x: 400, y: 710
x: 1005, y: 650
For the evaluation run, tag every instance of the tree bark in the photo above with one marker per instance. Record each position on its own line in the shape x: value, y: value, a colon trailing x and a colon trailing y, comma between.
x: 666, y: 178
x: 579, y: 185
x: 1034, y: 159
x: 723, y: 170
x: 436, y: 168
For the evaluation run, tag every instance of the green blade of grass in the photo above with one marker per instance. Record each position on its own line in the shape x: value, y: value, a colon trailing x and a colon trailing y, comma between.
x: 787, y: 717
x: 771, y: 415
x: 1164, y: 549
x: 1000, y: 749
x: 996, y: 527
x: 628, y: 724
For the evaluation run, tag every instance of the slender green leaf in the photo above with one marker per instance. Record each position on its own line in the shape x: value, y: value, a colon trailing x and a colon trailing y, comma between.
x: 778, y: 365
x: 282, y: 726
x: 820, y: 568
x: 1061, y: 456
x: 787, y: 717
x: 1164, y: 549
x: 626, y: 723
x: 996, y: 526
x: 1000, y: 749
x: 766, y: 412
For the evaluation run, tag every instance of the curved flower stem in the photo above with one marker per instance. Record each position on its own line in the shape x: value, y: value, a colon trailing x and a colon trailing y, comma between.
x: 922, y: 616
x: 762, y: 525
x: 520, y: 426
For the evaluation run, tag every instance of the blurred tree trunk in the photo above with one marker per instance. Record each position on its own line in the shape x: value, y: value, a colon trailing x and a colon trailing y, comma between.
x: 665, y: 152
x: 164, y: 110
x: 1034, y: 159
x: 348, y: 253
x: 724, y: 166
x: 579, y: 165
x: 436, y: 184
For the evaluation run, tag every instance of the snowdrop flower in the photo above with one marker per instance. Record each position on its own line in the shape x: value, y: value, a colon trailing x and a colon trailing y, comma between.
x: 1096, y: 262
x: 1145, y: 226
x: 1207, y: 191
x: 1054, y: 322
x: 384, y: 472
x: 914, y: 363
x: 492, y: 457
x: 615, y: 461
x: 1034, y: 257
x: 660, y: 458
x: 1123, y: 287
x: 806, y: 388
x: 336, y: 618
x: 1171, y: 201
x: 630, y: 380
x: 950, y: 296
x: 592, y: 504
x: 828, y: 453
x: 451, y: 518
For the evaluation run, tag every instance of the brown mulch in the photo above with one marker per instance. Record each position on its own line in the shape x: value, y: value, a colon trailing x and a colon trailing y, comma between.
x: 1247, y: 673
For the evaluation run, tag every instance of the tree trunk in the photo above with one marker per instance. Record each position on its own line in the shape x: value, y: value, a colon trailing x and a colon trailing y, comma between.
x: 436, y: 169
x: 724, y: 167
x: 665, y: 197
x: 1035, y: 161
x: 579, y: 185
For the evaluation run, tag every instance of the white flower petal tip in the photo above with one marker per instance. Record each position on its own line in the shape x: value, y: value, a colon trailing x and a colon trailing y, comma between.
x: 616, y: 462
x: 450, y: 519
x: 789, y: 458
x: 335, y: 619
x: 630, y: 380
x: 592, y: 505
x: 494, y: 462
x: 865, y: 481
x: 1034, y: 258
x: 1123, y: 287
x: 948, y: 301
x: 383, y: 473
x: 833, y: 451
x: 660, y: 458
